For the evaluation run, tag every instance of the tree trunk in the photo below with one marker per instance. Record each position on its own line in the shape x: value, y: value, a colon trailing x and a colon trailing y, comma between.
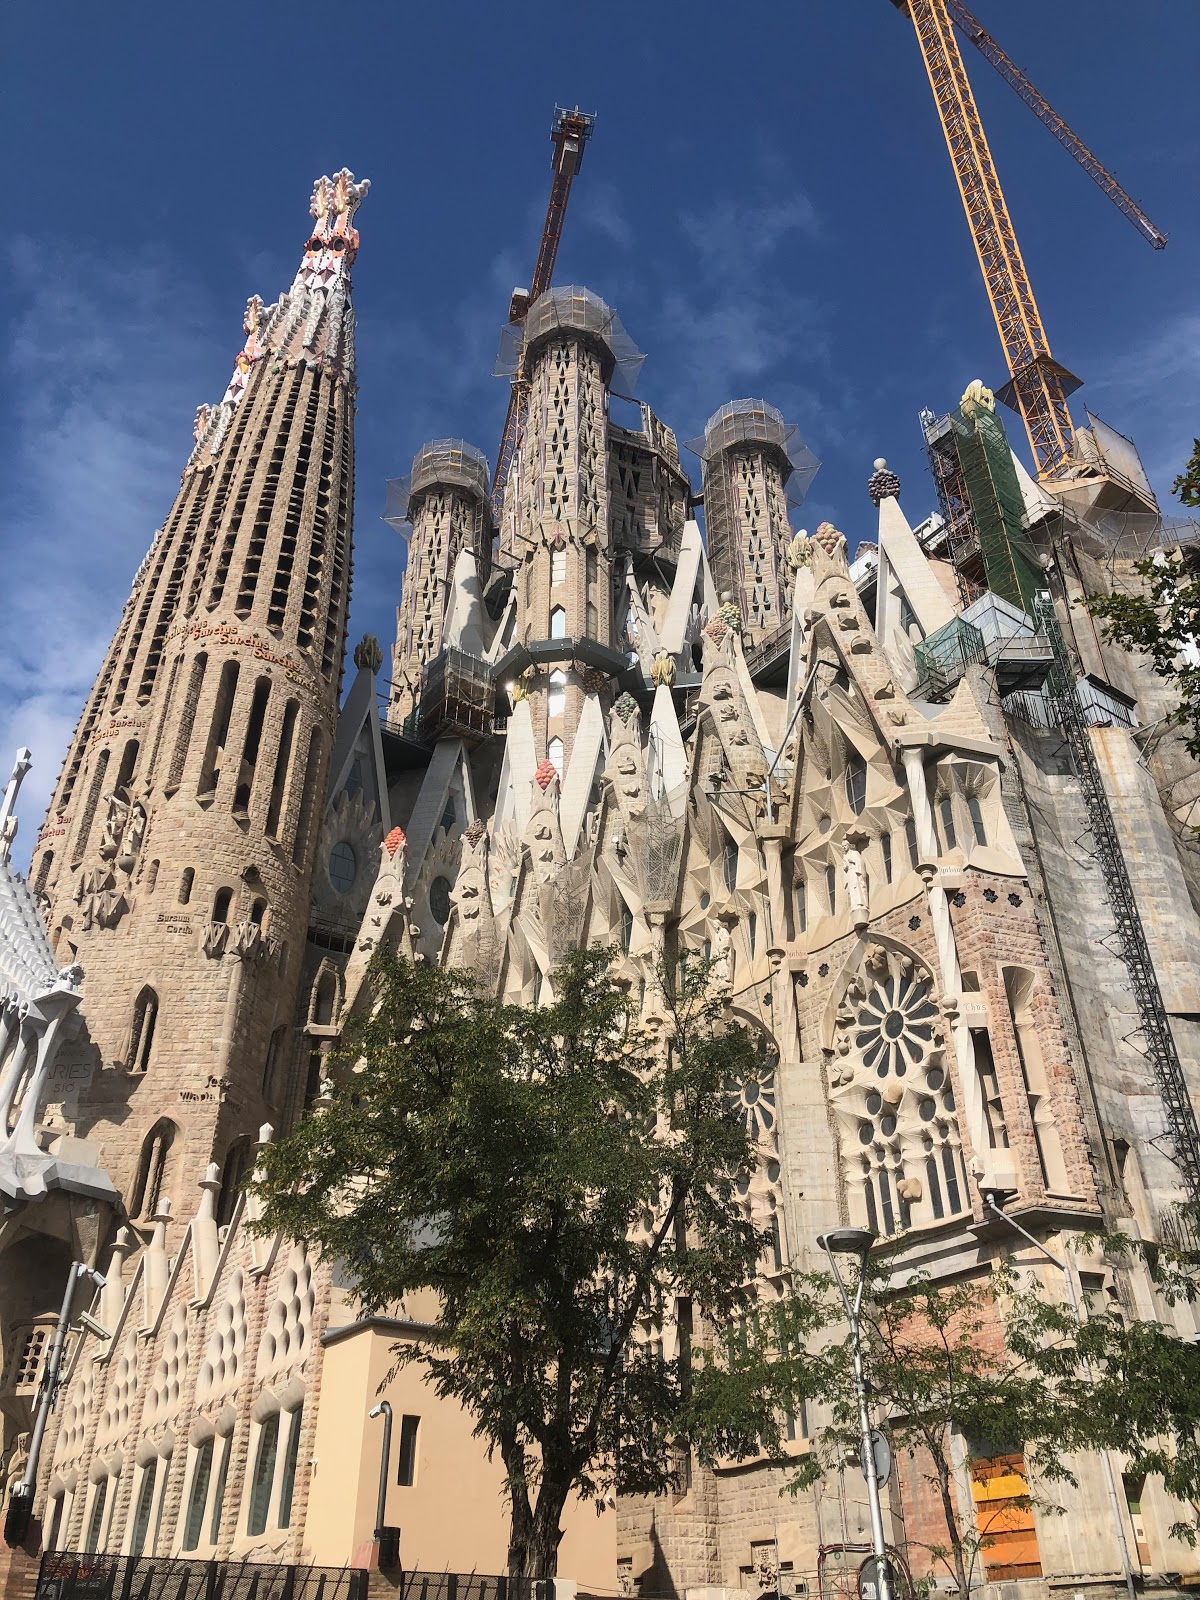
x: 520, y: 1514
x: 952, y: 1528
x: 545, y: 1532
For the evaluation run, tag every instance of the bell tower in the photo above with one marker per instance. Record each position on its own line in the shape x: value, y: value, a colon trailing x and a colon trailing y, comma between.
x: 176, y: 860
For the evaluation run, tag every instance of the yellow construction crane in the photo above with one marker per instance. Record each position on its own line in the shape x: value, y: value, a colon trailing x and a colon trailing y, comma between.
x: 1038, y: 386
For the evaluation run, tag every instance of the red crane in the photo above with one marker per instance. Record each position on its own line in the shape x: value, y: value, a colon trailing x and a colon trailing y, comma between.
x: 569, y: 133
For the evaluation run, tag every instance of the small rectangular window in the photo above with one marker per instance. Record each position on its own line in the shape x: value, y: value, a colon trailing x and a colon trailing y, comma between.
x: 910, y: 838
x: 198, y: 1498
x: 406, y: 1474
x: 885, y: 844
x: 977, y: 825
x: 831, y: 886
x: 558, y: 567
x: 802, y: 906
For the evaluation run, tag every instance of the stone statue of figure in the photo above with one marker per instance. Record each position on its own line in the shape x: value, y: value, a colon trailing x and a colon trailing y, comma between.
x: 114, y: 826
x: 854, y: 876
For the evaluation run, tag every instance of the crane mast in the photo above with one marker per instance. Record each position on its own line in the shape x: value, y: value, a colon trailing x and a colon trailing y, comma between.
x: 1038, y: 386
x: 569, y: 133
x: 973, y: 29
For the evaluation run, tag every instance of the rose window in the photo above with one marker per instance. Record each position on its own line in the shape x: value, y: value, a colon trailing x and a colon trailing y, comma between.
x: 895, y: 1025
x: 754, y: 1098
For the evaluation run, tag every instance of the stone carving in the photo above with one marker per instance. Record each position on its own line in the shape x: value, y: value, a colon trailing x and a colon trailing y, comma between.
x: 854, y: 880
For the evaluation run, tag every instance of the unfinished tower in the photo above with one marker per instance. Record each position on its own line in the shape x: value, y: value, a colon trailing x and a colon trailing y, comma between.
x: 447, y: 506
x: 560, y: 537
x: 750, y: 454
x: 177, y: 856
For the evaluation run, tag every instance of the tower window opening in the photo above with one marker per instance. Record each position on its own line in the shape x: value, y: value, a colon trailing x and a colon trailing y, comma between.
x: 856, y: 783
x: 885, y: 846
x: 555, y: 754
x: 283, y: 756
x: 989, y: 1086
x: 558, y: 623
x: 250, y: 747
x: 801, y: 904
x: 152, y: 1169
x: 258, y: 911
x: 187, y: 721
x: 185, y: 885
x: 222, y: 901
x: 308, y: 798
x: 274, y: 1061
x: 141, y: 1034
x: 151, y: 877
x: 214, y: 753
x: 43, y: 872
x: 558, y: 567
x: 125, y: 771
x: 89, y: 810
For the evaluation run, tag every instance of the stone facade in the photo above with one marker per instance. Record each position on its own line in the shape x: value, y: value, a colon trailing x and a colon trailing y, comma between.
x: 602, y: 729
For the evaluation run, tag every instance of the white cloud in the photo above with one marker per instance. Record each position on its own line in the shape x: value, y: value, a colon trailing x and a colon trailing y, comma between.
x: 97, y: 364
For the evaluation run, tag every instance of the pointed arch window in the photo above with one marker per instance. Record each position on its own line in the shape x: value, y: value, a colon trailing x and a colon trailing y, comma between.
x: 558, y: 623
x: 145, y: 1504
x: 152, y: 1169
x: 239, y: 1163
x: 91, y: 1543
x: 290, y: 1461
x: 978, y: 827
x: 141, y: 1033
x: 198, y: 1494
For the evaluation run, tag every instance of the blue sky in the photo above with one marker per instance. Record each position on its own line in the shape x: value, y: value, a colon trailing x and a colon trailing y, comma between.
x: 767, y: 201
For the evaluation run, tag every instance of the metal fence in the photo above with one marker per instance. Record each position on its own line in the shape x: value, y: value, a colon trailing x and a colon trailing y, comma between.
x: 64, y: 1576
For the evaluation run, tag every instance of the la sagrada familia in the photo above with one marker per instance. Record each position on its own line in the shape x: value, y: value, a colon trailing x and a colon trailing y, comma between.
x: 933, y: 832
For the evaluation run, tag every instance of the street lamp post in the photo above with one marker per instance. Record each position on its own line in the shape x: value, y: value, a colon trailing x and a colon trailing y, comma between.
x: 20, y: 1505
x: 857, y: 1242
x: 384, y: 1410
x: 989, y: 1201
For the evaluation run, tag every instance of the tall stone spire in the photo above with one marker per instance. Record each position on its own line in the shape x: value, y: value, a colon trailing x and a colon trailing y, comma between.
x: 177, y: 856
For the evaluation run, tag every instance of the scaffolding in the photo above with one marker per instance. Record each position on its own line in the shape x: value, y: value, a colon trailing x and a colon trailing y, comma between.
x: 982, y: 505
x: 458, y: 699
x: 1160, y: 1049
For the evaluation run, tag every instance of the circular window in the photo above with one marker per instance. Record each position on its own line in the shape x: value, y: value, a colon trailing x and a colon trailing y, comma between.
x: 343, y: 868
x: 874, y: 1103
x: 439, y: 900
x: 865, y: 1133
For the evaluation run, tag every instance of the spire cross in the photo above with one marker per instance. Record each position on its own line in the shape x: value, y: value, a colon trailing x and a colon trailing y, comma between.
x: 8, y: 822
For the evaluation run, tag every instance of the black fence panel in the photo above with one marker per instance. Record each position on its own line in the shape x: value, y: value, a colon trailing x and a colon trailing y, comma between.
x: 66, y: 1576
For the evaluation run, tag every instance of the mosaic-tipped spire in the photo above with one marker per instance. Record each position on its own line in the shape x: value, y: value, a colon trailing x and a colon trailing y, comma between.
x: 883, y: 484
x: 313, y: 322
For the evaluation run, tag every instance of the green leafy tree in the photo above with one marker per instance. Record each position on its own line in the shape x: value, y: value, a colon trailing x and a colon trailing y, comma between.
x: 557, y: 1176
x: 1187, y: 485
x: 995, y: 1369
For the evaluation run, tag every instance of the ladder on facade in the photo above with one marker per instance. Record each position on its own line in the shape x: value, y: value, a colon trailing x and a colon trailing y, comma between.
x: 1160, y: 1048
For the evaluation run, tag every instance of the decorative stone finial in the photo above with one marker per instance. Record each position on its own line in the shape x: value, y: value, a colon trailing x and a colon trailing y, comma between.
x: 977, y: 397
x: 334, y: 202
x: 545, y: 775
x: 662, y: 670
x: 394, y: 841
x: 368, y: 657
x: 882, y: 484
x: 799, y: 552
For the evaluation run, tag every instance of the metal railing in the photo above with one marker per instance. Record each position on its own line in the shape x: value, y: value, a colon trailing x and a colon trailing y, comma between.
x: 67, y: 1576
